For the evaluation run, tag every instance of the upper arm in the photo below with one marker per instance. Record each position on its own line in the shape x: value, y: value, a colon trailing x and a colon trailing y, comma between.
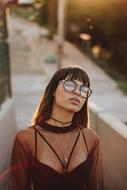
x: 96, y: 166
x: 20, y: 163
x: 95, y: 160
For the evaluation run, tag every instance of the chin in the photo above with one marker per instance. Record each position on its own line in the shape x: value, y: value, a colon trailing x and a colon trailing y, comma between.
x: 73, y: 110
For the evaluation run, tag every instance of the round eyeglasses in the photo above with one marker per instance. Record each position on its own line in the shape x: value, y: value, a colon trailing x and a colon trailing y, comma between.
x: 71, y: 86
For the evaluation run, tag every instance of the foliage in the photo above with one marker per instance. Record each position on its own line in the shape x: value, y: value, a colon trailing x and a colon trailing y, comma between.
x: 106, y: 22
x: 35, y: 12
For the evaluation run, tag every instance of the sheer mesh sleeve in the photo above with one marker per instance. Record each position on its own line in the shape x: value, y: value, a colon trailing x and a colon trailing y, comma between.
x: 96, y: 170
x: 19, y: 179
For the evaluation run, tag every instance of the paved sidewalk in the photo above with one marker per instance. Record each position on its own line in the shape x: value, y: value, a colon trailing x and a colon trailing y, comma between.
x: 30, y: 72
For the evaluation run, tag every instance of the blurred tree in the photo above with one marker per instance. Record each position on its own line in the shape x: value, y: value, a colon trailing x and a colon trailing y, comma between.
x: 41, y: 15
x: 106, y: 22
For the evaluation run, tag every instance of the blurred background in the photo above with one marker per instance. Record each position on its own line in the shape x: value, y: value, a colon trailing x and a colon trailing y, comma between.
x: 37, y: 37
x: 96, y: 27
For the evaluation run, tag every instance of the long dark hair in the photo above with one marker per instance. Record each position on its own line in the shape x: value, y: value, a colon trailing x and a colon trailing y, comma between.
x: 44, y: 109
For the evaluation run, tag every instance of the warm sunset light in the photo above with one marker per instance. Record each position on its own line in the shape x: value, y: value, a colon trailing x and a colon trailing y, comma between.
x: 63, y: 94
x: 25, y: 1
x: 85, y: 36
x: 96, y: 51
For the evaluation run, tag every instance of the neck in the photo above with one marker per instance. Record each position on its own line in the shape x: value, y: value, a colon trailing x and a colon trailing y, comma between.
x: 60, y: 117
x: 54, y: 119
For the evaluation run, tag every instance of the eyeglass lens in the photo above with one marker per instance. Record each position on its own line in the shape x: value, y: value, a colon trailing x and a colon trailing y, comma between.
x: 70, y: 86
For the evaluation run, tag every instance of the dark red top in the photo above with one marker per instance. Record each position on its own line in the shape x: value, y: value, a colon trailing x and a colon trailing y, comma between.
x: 51, y: 172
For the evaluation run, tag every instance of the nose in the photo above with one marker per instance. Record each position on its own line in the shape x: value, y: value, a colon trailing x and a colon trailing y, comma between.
x: 77, y: 91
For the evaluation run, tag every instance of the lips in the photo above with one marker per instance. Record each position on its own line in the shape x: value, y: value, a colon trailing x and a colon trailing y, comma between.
x: 75, y: 100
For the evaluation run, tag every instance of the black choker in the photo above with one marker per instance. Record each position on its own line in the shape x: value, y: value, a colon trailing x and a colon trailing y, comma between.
x: 69, y: 122
x: 56, y: 129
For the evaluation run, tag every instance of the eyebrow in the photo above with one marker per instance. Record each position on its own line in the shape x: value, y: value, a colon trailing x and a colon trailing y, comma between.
x: 82, y: 82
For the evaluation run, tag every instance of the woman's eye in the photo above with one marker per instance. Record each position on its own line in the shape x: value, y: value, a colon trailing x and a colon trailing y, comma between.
x: 70, y: 84
x: 84, y: 89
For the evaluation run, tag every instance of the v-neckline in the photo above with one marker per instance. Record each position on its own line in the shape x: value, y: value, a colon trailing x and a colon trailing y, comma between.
x: 62, y: 173
x: 65, y: 166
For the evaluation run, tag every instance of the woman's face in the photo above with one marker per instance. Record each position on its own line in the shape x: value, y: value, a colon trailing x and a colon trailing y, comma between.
x: 69, y: 101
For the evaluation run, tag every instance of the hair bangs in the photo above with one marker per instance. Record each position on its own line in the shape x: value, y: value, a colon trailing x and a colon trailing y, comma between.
x: 80, y: 75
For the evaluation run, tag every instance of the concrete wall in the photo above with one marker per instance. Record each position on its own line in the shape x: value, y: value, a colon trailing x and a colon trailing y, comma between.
x: 7, y: 134
x: 113, y: 136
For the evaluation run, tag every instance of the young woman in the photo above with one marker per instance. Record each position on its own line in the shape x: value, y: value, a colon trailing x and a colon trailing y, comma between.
x: 60, y: 151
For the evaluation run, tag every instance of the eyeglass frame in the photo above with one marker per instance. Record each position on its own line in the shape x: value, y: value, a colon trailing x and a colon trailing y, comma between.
x: 83, y: 85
